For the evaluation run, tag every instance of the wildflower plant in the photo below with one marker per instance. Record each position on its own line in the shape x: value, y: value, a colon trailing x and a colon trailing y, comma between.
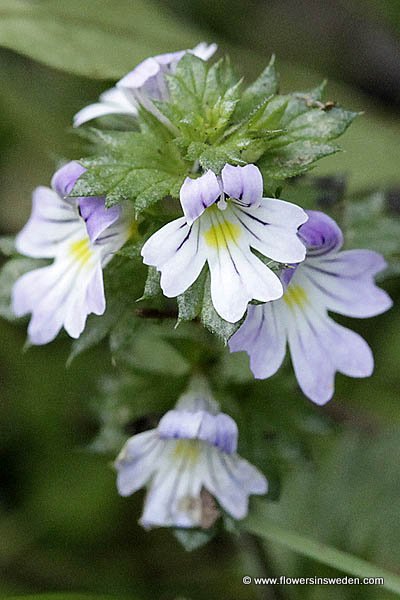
x: 179, y: 232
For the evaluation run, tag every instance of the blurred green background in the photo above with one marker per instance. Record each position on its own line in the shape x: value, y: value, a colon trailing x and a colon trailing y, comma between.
x: 62, y: 525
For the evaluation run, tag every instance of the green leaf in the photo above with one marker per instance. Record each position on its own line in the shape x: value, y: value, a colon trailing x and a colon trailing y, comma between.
x: 369, y: 223
x: 260, y: 523
x: 123, y: 283
x: 192, y: 539
x: 100, y: 39
x: 141, y: 167
x: 140, y: 346
x: 203, y: 97
x: 308, y: 127
x: 264, y: 86
x: 7, y: 245
x: 196, y: 302
x: 152, y: 286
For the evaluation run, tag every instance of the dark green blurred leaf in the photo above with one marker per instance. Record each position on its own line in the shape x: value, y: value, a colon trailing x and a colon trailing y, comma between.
x: 260, y: 523
x: 101, y: 39
x: 139, y: 345
x: 369, y: 223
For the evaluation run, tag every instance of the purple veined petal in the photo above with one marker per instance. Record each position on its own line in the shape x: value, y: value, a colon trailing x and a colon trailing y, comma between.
x: 86, y: 297
x: 312, y: 365
x: 349, y: 352
x: 61, y: 295
x: 263, y: 337
x: 245, y: 184
x: 96, y: 216
x: 198, y: 194
x: 217, y: 430
x: 52, y: 220
x: 137, y: 461
x: 112, y: 101
x: 345, y: 282
x: 320, y: 234
x: 141, y: 74
x: 180, y: 424
x: 272, y: 229
x: 177, y: 251
x: 65, y: 178
x: 231, y: 480
x: 171, y: 499
x: 237, y: 275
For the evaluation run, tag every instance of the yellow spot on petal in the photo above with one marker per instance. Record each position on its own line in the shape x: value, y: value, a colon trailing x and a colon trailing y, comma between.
x: 81, y: 251
x: 294, y: 296
x: 219, y: 235
x: 188, y: 450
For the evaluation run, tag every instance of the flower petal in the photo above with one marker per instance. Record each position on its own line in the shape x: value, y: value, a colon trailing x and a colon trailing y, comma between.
x: 137, y: 461
x: 245, y: 184
x: 313, y: 367
x: 272, y: 229
x: 96, y: 216
x: 177, y: 250
x: 198, y: 194
x: 231, y: 480
x: 112, y: 101
x: 204, y: 50
x: 65, y: 178
x: 237, y: 275
x: 52, y: 220
x: 345, y: 282
x: 174, y: 495
x: 217, y: 430
x: 263, y: 337
x: 320, y: 234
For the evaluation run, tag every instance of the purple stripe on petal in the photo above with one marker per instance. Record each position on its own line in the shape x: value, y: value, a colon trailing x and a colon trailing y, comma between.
x: 65, y: 178
x: 198, y: 194
x: 320, y: 234
x: 217, y: 430
x: 97, y: 217
x: 245, y: 184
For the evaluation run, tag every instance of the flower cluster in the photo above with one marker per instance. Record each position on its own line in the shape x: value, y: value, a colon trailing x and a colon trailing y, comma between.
x: 270, y: 264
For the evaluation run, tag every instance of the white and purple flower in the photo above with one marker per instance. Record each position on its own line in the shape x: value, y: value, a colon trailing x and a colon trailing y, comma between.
x: 328, y: 280
x: 224, y: 218
x: 81, y: 235
x: 187, y: 463
x: 141, y: 86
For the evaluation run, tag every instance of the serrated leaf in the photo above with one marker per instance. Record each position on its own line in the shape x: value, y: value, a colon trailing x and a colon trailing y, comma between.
x: 264, y: 86
x: 152, y: 286
x: 203, y: 98
x: 123, y: 281
x: 196, y: 302
x: 142, y: 167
